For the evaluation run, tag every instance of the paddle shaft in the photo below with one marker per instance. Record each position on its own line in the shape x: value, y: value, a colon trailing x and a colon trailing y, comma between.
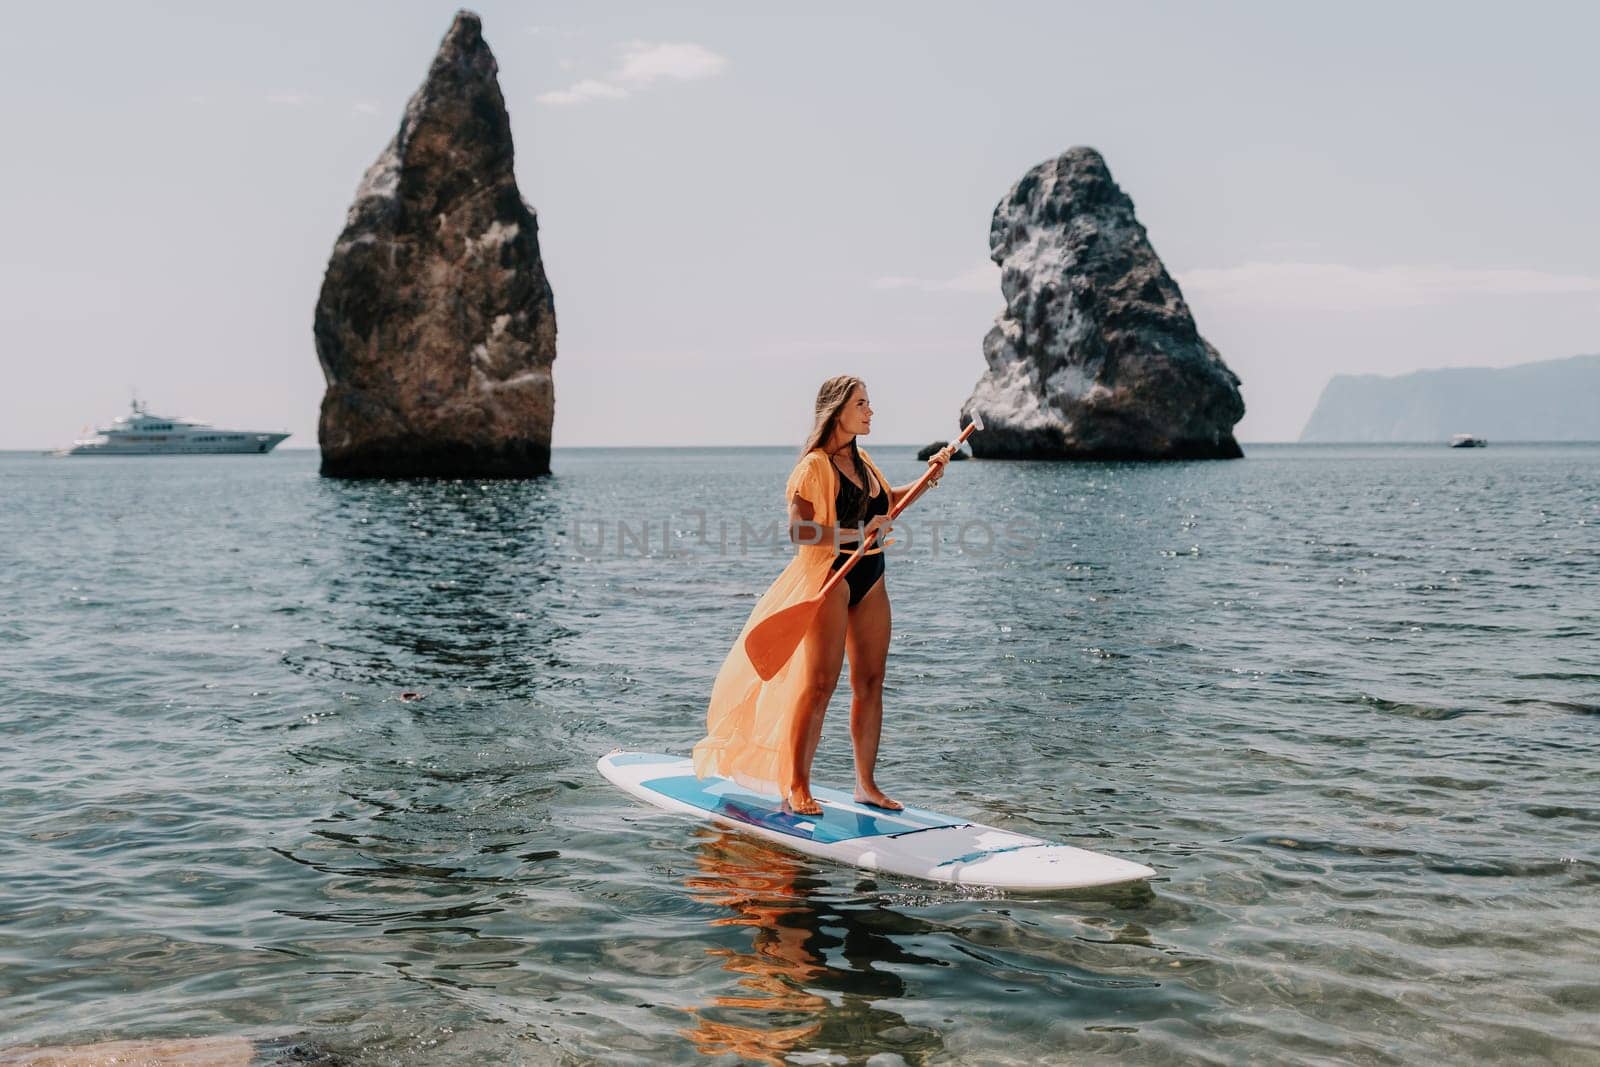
x: 772, y: 641
x: 894, y: 512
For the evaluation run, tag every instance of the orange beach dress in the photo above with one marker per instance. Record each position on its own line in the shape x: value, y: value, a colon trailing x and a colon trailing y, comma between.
x: 750, y: 723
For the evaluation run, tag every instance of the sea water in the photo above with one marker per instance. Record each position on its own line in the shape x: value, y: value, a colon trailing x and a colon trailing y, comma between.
x: 312, y: 762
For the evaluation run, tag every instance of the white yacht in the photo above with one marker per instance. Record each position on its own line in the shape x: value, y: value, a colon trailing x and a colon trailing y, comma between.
x: 140, y: 433
x: 1467, y: 440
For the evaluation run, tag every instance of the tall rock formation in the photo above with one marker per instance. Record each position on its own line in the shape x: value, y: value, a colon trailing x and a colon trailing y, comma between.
x: 1095, y: 355
x: 436, y: 327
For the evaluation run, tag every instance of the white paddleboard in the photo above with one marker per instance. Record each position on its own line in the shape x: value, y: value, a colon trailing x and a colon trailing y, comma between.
x: 913, y: 843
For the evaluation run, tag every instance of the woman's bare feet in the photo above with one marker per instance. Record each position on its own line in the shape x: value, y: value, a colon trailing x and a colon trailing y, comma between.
x: 801, y: 802
x: 875, y: 798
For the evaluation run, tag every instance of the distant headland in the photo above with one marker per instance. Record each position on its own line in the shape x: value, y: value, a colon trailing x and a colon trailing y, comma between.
x: 1551, y: 400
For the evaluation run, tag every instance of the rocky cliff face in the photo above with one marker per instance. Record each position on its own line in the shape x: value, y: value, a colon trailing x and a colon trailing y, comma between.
x: 436, y: 327
x: 1095, y: 355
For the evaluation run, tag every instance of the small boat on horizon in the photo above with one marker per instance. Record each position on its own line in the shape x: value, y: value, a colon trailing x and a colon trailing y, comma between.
x: 140, y: 433
x: 1466, y: 440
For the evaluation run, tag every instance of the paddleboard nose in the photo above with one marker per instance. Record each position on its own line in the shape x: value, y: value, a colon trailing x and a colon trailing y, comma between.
x: 1045, y: 866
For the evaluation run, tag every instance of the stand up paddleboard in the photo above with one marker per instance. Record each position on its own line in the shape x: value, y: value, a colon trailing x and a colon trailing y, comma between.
x: 913, y: 843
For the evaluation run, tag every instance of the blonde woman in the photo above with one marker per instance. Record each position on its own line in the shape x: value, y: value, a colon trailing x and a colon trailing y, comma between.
x: 764, y: 734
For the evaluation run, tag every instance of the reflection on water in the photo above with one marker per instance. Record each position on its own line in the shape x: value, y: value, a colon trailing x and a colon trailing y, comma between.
x: 794, y: 992
x: 439, y: 580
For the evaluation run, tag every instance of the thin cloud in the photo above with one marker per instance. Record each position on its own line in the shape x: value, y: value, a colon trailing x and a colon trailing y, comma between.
x: 363, y: 107
x: 1283, y: 250
x: 582, y: 92
x: 641, y: 64
x: 289, y: 99
x: 982, y: 278
x: 644, y: 62
x: 854, y: 346
x: 1336, y: 287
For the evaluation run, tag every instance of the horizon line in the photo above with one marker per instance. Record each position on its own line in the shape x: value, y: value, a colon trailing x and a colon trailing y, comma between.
x: 25, y: 451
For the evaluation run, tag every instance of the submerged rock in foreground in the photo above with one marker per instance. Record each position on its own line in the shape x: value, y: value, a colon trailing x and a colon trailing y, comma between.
x: 1096, y: 355
x: 436, y: 326
x: 175, y: 1052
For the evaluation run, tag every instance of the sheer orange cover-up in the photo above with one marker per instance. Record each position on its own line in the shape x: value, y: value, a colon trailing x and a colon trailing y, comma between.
x: 749, y: 724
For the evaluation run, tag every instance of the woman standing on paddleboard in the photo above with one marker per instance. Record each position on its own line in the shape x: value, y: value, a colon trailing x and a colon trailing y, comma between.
x: 764, y: 734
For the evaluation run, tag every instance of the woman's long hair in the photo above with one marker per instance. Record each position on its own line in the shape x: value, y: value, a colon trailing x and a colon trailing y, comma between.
x: 830, y: 401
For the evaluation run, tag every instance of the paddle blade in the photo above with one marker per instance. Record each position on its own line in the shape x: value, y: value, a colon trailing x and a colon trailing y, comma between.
x: 772, y: 642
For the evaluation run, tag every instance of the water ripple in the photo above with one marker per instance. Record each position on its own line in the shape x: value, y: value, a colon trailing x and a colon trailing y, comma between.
x: 309, y: 764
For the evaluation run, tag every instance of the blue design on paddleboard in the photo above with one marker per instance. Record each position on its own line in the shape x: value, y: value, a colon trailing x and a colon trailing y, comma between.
x: 984, y: 852
x: 842, y: 818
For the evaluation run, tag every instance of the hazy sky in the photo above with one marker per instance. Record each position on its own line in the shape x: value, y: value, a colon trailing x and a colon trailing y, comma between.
x: 736, y: 203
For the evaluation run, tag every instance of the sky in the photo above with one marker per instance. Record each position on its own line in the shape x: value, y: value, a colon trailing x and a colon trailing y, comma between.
x: 739, y: 200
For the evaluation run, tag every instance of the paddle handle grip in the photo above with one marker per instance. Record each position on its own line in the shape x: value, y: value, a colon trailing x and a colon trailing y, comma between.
x: 916, y: 486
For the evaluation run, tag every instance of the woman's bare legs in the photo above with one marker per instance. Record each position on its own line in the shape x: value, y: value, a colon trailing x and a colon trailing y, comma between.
x: 867, y: 641
x: 823, y: 650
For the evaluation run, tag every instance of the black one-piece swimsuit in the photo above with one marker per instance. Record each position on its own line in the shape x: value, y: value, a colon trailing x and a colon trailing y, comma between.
x: 854, y: 508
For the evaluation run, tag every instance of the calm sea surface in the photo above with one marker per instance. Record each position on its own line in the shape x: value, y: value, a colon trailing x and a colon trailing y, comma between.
x: 312, y: 762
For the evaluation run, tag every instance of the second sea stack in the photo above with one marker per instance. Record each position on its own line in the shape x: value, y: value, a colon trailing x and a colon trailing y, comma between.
x: 1096, y: 355
x: 436, y: 327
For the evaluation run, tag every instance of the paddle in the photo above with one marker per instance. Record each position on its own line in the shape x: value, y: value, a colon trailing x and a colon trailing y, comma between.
x: 772, y: 641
